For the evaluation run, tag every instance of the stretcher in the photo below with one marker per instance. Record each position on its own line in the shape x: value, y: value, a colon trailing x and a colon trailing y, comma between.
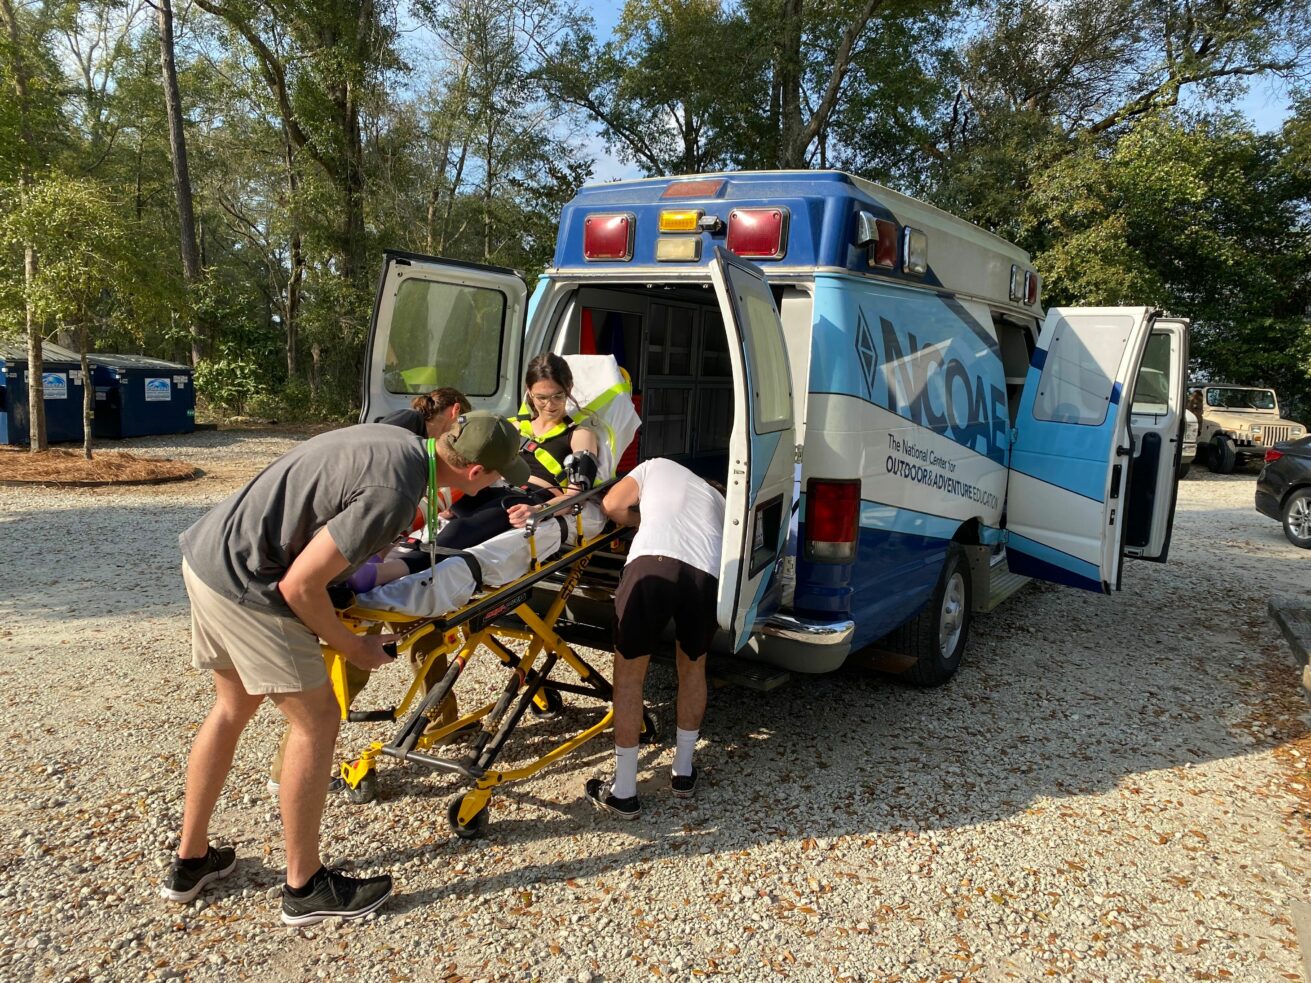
x: 441, y: 648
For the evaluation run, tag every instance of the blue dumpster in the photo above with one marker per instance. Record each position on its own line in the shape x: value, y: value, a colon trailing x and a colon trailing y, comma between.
x: 138, y: 396
x: 62, y: 383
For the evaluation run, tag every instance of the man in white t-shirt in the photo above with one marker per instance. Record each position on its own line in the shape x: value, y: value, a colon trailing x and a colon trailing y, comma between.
x: 672, y: 571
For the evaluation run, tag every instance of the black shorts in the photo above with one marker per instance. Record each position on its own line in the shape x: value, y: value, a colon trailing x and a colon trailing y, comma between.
x: 653, y: 589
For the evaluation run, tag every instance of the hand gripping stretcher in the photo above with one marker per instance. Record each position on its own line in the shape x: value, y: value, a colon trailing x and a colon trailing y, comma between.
x: 446, y: 618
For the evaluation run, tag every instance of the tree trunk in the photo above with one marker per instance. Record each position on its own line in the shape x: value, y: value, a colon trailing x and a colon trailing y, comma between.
x: 177, y: 144
x: 297, y: 276
x: 36, y: 404
x: 36, y: 398
x: 789, y: 72
x: 88, y: 393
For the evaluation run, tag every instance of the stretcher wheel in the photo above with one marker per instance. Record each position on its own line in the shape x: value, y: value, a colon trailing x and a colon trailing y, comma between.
x: 554, y: 705
x: 650, y: 728
x: 365, y: 792
x: 477, y: 825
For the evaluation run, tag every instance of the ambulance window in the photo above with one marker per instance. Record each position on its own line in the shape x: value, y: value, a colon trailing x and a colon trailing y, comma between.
x: 1079, y: 373
x: 444, y: 334
x: 770, y: 382
x: 1151, y: 393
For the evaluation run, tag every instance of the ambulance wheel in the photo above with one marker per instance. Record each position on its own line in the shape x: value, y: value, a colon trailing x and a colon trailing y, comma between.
x: 1222, y: 457
x: 936, y: 637
x: 477, y: 825
x: 650, y: 728
x: 554, y: 705
x: 365, y: 792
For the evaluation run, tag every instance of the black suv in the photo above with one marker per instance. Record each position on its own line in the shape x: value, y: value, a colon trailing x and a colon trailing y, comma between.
x: 1283, y: 489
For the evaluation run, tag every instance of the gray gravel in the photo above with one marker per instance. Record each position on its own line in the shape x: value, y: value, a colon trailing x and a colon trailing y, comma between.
x: 1107, y: 791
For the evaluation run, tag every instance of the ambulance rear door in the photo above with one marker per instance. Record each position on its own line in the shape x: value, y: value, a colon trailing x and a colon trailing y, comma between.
x: 762, y: 446
x: 440, y: 322
x: 1078, y: 438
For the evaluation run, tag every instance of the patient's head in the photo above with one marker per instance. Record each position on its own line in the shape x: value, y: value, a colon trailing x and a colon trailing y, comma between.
x: 549, y: 384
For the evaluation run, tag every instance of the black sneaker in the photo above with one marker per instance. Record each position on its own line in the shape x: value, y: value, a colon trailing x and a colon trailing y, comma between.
x: 598, y: 790
x: 183, y: 882
x: 335, y: 896
x: 683, y: 786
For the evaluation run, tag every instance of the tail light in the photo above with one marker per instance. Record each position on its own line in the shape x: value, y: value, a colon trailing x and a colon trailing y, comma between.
x: 832, y: 520
x: 1273, y: 455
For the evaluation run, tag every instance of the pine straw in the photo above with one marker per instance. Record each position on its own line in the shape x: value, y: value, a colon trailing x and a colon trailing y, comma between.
x: 65, y: 467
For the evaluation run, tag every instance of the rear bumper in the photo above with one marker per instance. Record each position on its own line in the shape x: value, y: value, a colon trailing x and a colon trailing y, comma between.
x: 1267, y: 504
x: 802, y: 644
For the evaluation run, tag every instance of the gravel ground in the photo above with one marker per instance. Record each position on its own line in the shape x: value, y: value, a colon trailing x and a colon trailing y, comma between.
x: 1111, y: 789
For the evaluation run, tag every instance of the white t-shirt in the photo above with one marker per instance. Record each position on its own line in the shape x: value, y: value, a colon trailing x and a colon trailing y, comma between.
x: 682, y: 516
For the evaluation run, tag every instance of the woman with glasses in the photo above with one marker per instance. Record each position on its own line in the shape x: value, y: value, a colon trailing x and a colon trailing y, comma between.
x: 560, y: 454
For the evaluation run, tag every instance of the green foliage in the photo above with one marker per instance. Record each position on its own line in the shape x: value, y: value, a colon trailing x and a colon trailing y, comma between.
x: 230, y: 380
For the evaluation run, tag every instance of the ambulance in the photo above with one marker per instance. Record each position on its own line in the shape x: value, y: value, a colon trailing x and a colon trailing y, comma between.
x: 903, y: 433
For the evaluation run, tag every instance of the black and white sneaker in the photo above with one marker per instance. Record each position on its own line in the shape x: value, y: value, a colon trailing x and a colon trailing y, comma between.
x: 185, y: 879
x: 599, y: 791
x: 683, y: 786
x: 334, y: 895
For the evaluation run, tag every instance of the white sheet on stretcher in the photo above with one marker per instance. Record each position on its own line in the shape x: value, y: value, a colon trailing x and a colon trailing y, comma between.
x: 504, y: 559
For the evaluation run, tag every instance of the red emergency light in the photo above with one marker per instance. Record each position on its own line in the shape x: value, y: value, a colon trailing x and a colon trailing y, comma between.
x: 832, y: 519
x: 885, y: 246
x: 608, y: 237
x: 758, y: 233
x: 1031, y: 287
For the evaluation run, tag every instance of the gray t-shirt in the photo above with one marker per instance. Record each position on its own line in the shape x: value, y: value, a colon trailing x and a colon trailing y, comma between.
x: 362, y: 482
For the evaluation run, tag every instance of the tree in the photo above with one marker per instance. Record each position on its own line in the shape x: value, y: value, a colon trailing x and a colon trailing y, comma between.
x: 33, y: 126
x: 1200, y: 216
x: 177, y: 144
x: 89, y: 271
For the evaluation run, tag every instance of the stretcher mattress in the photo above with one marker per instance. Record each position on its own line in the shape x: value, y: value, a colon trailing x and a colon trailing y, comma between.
x: 503, y: 559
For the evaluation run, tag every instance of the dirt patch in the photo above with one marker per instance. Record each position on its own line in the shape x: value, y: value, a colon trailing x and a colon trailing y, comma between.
x: 71, y: 468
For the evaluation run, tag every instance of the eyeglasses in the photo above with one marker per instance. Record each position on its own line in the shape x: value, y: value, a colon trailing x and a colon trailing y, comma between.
x: 543, y: 400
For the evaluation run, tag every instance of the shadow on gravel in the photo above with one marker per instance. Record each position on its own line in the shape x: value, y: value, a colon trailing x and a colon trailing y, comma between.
x: 1063, y: 694
x: 106, y: 558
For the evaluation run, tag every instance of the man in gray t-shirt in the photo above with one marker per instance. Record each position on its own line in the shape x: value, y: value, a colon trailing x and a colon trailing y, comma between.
x: 257, y: 568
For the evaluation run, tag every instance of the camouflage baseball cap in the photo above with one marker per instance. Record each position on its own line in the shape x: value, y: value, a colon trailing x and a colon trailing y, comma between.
x: 493, y: 442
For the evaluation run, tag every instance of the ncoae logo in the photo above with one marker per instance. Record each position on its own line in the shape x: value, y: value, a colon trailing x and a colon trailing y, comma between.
x: 937, y: 391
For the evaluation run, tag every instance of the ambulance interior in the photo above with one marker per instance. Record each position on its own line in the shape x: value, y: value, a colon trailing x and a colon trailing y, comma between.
x: 672, y: 343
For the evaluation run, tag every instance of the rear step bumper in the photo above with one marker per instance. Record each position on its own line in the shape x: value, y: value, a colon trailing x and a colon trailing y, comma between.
x: 802, y: 644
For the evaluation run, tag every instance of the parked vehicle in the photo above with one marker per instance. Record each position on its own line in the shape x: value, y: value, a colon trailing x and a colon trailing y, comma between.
x: 1188, y: 452
x: 1283, y: 489
x: 1238, y: 424
x: 900, y: 428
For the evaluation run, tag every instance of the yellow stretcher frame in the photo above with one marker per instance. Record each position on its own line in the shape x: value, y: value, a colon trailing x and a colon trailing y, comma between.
x: 446, y: 645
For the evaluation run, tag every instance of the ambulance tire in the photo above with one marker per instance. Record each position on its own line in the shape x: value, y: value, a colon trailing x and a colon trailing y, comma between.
x: 937, y: 636
x: 1221, y: 457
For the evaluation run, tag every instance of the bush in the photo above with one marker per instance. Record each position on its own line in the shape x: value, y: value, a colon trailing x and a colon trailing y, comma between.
x: 230, y: 381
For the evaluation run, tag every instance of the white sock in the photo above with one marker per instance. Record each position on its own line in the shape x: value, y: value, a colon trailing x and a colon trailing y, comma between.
x: 625, y: 784
x: 683, y: 752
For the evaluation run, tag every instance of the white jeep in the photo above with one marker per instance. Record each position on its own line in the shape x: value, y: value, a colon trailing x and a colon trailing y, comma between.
x: 1237, y: 423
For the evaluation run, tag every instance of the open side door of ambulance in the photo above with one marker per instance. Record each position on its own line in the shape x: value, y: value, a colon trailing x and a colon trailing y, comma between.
x: 440, y: 322
x: 761, y: 449
x: 1096, y: 438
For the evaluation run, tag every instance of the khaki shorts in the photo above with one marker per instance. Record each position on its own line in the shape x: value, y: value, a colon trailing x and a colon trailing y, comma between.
x: 271, y: 653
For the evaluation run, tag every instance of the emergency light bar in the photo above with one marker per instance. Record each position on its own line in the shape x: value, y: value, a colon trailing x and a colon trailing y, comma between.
x: 609, y: 237
x: 758, y: 233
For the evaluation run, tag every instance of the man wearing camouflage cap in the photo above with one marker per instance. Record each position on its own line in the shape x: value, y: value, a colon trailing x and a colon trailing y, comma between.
x: 257, y: 569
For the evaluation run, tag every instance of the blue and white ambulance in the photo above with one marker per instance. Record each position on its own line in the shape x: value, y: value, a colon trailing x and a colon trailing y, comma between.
x: 901, y: 430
